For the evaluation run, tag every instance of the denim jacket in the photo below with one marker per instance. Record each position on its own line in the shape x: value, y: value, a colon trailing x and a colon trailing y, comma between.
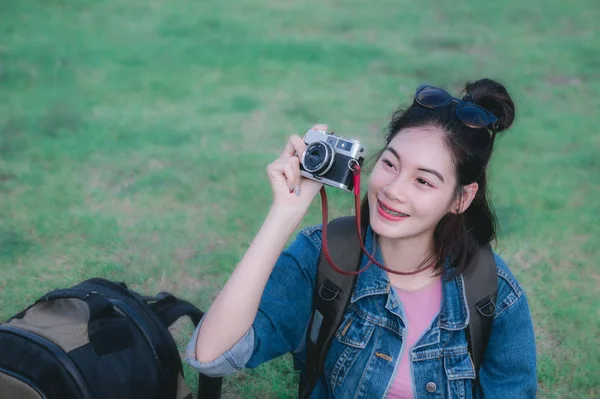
x: 363, y: 356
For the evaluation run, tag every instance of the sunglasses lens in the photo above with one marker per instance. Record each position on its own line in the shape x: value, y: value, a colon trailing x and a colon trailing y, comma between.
x: 474, y: 117
x: 433, y: 97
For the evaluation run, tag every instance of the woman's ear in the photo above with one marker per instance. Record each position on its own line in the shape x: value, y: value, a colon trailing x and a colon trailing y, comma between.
x: 464, y: 199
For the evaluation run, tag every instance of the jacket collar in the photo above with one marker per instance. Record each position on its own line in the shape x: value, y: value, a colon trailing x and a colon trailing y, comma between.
x: 374, y: 281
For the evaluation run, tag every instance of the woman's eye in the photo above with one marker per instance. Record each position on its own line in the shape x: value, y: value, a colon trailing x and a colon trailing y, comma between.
x: 388, y: 163
x: 424, y: 182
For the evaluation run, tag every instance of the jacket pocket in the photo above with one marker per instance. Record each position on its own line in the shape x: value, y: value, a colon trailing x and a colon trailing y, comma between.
x: 355, y: 331
x: 460, y: 372
x: 350, y: 340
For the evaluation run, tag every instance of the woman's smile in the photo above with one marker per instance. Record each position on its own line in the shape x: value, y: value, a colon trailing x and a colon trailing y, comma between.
x: 389, y: 213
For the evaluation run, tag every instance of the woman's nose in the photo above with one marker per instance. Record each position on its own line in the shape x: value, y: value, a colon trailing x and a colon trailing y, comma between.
x: 397, y: 190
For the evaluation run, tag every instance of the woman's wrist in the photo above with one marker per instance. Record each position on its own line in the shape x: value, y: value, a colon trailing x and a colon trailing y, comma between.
x: 284, y: 217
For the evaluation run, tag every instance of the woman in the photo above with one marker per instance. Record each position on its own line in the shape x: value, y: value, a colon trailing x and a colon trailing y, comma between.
x: 403, y: 333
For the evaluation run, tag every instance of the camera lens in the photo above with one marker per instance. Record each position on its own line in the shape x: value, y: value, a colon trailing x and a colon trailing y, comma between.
x: 318, y: 158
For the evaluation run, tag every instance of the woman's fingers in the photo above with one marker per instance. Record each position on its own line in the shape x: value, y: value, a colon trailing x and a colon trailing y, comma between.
x: 295, y: 162
x: 289, y: 168
x: 291, y: 171
x: 295, y: 146
x: 320, y: 127
x: 286, y: 168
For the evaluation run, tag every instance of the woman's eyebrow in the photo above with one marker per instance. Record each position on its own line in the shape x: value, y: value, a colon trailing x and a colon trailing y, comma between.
x: 433, y: 172
x: 390, y: 149
x: 426, y: 170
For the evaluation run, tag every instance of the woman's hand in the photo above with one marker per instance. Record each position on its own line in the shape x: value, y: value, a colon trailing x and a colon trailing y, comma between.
x: 290, y: 190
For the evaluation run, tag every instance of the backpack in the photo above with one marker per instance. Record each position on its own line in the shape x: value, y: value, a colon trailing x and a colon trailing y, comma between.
x: 97, y: 340
x: 333, y: 291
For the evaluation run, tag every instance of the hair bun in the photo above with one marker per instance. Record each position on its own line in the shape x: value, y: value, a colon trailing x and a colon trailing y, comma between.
x: 494, y: 97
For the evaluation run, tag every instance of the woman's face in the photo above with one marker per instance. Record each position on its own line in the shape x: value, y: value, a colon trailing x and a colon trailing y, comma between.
x: 412, y: 186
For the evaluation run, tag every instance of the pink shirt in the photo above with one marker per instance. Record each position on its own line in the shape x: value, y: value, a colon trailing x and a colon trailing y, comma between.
x: 420, y: 308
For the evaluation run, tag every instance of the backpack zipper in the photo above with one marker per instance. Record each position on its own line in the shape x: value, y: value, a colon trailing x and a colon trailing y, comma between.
x: 129, y: 312
x: 57, y: 352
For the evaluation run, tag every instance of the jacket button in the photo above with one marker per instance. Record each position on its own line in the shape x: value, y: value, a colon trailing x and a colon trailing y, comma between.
x: 430, y: 387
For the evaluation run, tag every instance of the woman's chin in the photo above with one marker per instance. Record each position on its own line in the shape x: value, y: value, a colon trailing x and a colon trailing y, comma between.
x: 386, y: 228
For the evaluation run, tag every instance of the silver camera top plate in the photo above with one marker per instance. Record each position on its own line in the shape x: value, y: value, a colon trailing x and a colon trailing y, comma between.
x: 342, y: 145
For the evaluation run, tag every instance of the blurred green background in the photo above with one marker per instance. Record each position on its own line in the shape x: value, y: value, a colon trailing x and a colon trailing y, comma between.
x: 134, y: 137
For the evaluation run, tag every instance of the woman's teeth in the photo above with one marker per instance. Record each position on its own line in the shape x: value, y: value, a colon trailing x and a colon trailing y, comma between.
x: 391, y: 212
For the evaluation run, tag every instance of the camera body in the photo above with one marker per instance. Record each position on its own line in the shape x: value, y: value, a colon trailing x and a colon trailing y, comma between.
x: 329, y: 159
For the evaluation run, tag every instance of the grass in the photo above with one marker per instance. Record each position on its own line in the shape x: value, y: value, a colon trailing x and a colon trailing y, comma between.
x: 134, y: 137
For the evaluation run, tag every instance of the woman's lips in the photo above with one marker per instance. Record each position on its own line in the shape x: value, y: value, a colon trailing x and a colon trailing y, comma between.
x: 384, y: 211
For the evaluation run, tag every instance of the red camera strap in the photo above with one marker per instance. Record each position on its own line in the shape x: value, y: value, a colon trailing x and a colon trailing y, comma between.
x: 372, y: 260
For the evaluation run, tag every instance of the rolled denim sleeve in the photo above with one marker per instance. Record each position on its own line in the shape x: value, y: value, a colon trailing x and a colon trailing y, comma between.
x: 283, y: 314
x: 228, y: 363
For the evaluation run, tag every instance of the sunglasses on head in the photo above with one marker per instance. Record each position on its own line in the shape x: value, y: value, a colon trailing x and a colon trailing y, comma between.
x: 471, y: 114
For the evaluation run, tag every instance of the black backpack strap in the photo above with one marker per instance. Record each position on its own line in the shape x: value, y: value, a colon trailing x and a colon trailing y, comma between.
x: 481, y: 287
x: 331, y: 296
x: 169, y: 309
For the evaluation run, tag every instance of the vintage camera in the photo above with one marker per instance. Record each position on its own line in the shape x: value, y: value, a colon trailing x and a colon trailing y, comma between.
x: 329, y: 159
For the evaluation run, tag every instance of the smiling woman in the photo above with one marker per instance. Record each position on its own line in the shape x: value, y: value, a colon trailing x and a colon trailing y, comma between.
x: 404, y: 333
x: 435, y: 163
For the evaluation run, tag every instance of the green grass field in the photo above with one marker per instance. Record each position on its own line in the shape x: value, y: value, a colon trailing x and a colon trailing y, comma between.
x: 134, y: 137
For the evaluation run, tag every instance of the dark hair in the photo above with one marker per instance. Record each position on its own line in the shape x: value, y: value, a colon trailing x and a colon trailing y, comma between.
x: 458, y: 236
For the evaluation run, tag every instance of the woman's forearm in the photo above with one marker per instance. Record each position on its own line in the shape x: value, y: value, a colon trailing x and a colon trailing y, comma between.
x: 234, y: 310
